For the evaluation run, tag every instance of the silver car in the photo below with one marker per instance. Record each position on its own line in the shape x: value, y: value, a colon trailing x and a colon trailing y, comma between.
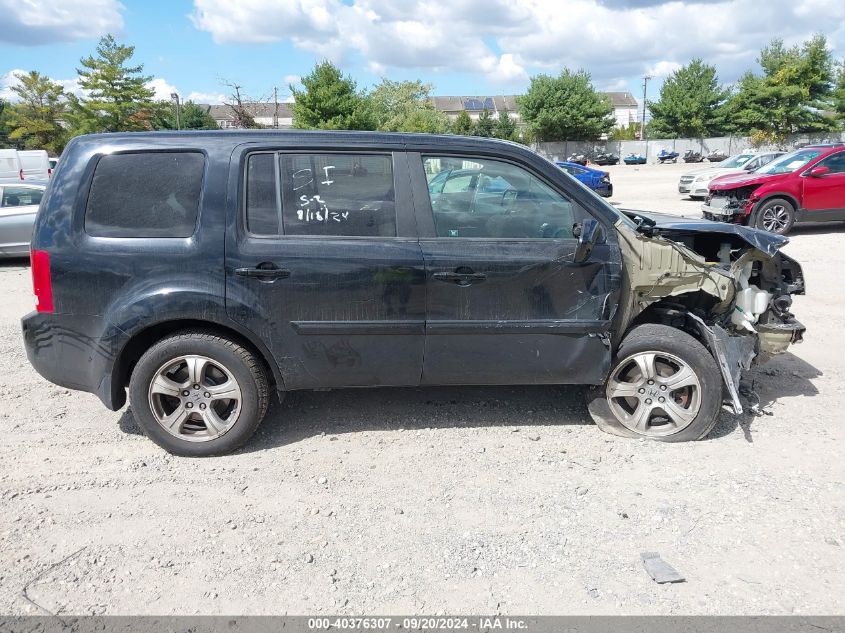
x: 695, y: 183
x: 18, y: 203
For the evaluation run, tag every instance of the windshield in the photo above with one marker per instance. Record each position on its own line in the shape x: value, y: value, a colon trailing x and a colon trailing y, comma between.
x: 736, y: 161
x: 790, y: 162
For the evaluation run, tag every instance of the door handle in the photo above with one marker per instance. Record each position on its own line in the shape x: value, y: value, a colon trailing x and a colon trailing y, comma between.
x: 263, y: 274
x: 460, y: 278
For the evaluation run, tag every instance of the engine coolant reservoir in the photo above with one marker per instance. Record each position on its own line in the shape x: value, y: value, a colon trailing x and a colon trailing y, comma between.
x: 751, y: 302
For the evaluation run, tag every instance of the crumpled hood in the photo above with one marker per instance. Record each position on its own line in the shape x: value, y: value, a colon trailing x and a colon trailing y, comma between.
x: 734, y: 181
x: 667, y: 224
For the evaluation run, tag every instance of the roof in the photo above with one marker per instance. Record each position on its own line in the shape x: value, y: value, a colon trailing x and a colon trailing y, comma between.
x: 476, y: 103
x: 621, y: 99
x: 223, y: 112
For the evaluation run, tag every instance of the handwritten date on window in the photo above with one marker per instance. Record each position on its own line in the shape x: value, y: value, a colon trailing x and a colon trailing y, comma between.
x: 315, y: 209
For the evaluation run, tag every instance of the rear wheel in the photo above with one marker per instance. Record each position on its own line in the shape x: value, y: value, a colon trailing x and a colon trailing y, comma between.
x: 664, y: 385
x: 775, y: 216
x: 197, y: 394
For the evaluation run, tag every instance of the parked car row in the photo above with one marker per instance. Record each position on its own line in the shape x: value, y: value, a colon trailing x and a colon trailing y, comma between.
x: 695, y: 183
x: 34, y: 164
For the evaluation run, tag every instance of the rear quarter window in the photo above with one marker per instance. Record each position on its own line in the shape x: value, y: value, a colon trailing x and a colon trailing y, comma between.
x: 145, y: 194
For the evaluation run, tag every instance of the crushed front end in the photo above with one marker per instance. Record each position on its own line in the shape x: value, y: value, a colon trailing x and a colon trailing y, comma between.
x: 729, y: 205
x: 728, y: 285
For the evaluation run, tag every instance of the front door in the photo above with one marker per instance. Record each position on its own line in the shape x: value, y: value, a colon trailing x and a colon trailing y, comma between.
x: 506, y: 303
x: 824, y: 197
x: 323, y: 266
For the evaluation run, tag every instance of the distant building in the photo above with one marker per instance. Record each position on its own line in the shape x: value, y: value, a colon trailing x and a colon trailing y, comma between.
x: 265, y: 114
x: 625, y: 109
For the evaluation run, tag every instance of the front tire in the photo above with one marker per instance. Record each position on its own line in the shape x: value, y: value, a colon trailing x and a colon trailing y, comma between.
x: 663, y: 385
x: 197, y: 394
x: 775, y: 216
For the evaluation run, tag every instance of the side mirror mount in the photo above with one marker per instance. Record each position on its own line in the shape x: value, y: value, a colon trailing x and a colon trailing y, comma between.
x: 819, y: 172
x: 589, y: 236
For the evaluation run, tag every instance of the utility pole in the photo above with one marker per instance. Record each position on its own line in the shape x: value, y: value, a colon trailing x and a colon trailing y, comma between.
x: 645, y: 105
x: 276, y: 109
x: 175, y: 97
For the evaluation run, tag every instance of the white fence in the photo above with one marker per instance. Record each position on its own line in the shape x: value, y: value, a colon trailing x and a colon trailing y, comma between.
x: 652, y: 147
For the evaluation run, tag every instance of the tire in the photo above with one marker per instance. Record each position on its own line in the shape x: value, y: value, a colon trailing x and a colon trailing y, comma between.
x: 211, y: 391
x: 775, y: 216
x: 690, y: 417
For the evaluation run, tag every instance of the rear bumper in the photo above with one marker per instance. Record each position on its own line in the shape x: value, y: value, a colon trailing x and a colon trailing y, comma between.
x: 71, y: 351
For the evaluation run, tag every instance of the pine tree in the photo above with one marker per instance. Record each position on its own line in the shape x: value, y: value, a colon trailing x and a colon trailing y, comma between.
x: 117, y: 96
x: 462, y: 124
x: 330, y: 101
x: 35, y: 121
x: 505, y: 127
x: 485, y: 125
x: 690, y: 103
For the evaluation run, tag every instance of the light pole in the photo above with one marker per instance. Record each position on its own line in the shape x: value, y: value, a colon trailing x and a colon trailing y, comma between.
x: 645, y: 105
x: 175, y: 97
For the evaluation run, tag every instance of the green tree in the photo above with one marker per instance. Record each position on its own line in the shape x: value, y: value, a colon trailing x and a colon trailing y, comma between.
x: 5, y: 127
x: 565, y: 107
x: 117, y: 98
x: 330, y: 101
x: 839, y: 93
x: 791, y: 96
x: 404, y: 106
x: 191, y: 117
x: 690, y: 103
x: 505, y: 127
x: 630, y: 132
x: 35, y: 120
x: 485, y: 125
x: 462, y: 124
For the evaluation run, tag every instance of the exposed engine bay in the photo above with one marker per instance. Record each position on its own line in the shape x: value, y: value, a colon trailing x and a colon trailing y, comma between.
x: 729, y: 284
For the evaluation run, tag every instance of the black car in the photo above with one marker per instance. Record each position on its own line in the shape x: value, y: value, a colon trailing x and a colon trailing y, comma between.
x: 206, y: 271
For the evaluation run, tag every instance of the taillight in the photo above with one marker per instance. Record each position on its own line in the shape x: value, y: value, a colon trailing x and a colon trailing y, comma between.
x: 42, y: 285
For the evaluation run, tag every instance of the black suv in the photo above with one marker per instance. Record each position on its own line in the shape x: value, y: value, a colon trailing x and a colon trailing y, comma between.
x: 205, y: 271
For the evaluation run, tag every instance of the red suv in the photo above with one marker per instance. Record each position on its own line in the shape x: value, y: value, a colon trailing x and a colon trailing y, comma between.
x: 807, y: 185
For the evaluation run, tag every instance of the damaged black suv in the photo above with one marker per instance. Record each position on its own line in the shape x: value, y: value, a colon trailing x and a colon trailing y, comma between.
x: 204, y: 271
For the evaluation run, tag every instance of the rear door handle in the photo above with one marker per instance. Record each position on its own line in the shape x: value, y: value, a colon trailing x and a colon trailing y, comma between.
x: 263, y: 274
x: 460, y: 278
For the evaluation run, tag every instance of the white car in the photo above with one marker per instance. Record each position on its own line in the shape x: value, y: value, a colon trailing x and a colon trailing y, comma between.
x: 695, y: 183
x: 18, y: 204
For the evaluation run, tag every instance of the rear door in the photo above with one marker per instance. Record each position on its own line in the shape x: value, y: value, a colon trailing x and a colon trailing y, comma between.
x: 323, y: 265
x: 506, y: 303
x: 824, y: 197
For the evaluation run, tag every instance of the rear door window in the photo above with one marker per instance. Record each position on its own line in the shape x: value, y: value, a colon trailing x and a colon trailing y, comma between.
x: 21, y: 196
x: 145, y: 194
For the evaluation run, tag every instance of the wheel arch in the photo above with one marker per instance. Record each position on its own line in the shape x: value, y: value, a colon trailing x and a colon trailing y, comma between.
x: 145, y: 338
x: 772, y: 195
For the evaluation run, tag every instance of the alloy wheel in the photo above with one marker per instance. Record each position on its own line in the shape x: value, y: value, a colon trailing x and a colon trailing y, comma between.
x: 195, y: 398
x: 775, y: 218
x: 654, y: 393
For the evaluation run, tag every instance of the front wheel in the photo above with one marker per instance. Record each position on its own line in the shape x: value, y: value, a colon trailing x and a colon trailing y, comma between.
x: 664, y: 385
x: 197, y: 394
x: 775, y: 216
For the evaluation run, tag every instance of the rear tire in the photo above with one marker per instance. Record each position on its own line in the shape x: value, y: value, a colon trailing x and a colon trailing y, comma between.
x: 775, y: 216
x: 197, y: 394
x: 683, y: 399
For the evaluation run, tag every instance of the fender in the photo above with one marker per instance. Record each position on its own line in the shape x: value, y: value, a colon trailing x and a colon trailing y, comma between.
x: 156, y: 313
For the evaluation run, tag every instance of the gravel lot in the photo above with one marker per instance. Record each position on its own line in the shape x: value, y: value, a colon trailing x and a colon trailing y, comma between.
x: 436, y: 500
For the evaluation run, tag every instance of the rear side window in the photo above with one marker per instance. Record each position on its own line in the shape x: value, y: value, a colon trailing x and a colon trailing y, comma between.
x: 338, y: 194
x: 150, y: 194
x: 21, y: 196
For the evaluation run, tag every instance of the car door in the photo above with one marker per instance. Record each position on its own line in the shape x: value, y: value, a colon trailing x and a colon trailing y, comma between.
x: 18, y: 206
x: 323, y: 265
x: 824, y: 196
x: 505, y: 301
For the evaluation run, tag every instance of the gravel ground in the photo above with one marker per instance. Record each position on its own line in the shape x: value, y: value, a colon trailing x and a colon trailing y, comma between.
x: 436, y: 500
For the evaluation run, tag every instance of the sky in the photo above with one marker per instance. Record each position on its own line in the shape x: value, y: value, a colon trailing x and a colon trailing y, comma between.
x: 461, y: 47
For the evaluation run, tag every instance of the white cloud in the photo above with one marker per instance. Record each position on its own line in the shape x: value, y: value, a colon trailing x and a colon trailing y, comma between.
x: 292, y: 79
x: 36, y: 22
x: 505, y: 40
x: 663, y: 69
x: 162, y: 89
x: 212, y: 98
